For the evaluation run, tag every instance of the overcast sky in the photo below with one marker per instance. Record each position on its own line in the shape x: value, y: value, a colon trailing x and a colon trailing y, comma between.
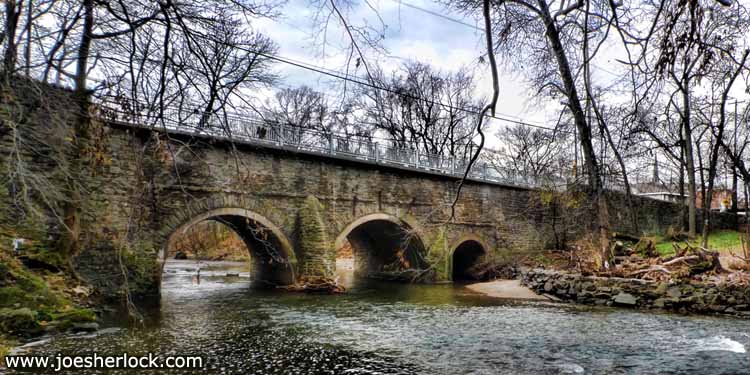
x: 418, y: 35
x: 410, y: 34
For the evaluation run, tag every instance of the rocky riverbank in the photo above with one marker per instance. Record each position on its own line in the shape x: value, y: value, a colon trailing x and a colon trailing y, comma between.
x: 684, y: 297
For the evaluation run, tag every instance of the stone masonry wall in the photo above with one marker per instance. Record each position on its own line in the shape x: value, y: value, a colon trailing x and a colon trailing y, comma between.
x: 655, y: 216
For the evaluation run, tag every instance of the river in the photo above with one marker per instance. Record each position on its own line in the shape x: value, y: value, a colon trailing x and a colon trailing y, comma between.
x: 378, y: 328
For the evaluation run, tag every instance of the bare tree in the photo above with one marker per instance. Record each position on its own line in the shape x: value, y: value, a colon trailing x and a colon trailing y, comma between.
x: 531, y: 152
x: 301, y: 107
x: 163, y: 53
x: 13, y: 10
x: 423, y: 108
x: 545, y: 44
x: 690, y: 36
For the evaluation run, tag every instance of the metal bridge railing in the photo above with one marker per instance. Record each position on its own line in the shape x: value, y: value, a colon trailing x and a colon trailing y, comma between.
x: 267, y: 134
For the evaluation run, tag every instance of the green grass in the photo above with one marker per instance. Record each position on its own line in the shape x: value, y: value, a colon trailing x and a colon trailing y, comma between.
x: 24, y: 292
x: 5, y: 346
x: 723, y: 241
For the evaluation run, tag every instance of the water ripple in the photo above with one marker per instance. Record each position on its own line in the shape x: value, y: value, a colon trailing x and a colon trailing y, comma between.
x: 413, y: 329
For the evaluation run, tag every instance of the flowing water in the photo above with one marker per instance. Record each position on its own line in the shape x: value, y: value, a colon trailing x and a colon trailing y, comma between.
x: 408, y: 329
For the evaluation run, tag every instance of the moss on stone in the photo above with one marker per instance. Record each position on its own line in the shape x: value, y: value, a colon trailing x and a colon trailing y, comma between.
x: 67, y: 319
x: 143, y: 269
x: 19, y: 287
x: 45, y: 255
x: 317, y: 254
x: 21, y: 321
x: 76, y: 316
x: 28, y: 301
x: 439, y: 257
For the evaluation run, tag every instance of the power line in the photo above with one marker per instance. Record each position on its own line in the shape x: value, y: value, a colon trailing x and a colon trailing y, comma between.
x: 342, y: 76
x: 436, y: 14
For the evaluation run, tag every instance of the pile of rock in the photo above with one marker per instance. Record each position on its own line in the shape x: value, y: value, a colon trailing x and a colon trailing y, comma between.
x: 688, y: 296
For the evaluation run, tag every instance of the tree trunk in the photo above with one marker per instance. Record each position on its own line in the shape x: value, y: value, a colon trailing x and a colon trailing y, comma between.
x: 27, y: 50
x: 683, y: 211
x: 702, y: 179
x: 69, y: 242
x: 584, y: 130
x: 735, y: 194
x: 714, y: 159
x: 689, y: 161
x: 11, y: 23
x: 574, y: 102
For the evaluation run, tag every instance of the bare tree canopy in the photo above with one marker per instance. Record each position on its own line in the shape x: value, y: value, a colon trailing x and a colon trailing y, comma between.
x: 423, y: 108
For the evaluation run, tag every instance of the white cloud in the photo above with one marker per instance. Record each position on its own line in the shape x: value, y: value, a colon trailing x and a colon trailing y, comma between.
x: 409, y: 34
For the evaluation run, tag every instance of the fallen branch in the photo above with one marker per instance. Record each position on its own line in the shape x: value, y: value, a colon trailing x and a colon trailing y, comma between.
x: 680, y: 259
x: 739, y: 257
x: 650, y: 269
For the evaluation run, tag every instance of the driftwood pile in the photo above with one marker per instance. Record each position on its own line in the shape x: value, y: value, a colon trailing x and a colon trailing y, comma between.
x: 642, y: 261
x: 401, y: 269
x: 742, y: 261
x: 315, y: 285
x: 489, y: 269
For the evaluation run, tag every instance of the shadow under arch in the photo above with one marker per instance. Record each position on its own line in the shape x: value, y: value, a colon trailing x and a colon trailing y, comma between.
x: 466, y: 253
x: 273, y: 256
x: 382, y: 243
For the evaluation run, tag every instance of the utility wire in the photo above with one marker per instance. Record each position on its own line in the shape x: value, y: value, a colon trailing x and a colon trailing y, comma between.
x: 342, y: 76
x: 359, y: 81
x: 436, y: 14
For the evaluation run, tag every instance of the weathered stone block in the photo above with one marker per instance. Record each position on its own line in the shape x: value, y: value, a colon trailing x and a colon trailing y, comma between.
x: 625, y: 299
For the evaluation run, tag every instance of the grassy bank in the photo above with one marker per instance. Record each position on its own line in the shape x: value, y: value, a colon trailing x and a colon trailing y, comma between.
x: 723, y: 241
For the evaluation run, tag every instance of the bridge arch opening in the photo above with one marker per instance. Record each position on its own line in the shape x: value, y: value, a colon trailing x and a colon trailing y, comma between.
x: 209, y: 240
x: 272, y: 256
x: 465, y: 256
x: 382, y: 246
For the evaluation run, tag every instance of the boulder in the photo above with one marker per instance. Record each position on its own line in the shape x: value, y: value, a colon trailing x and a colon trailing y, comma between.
x: 85, y: 327
x: 674, y: 292
x: 549, y: 286
x: 180, y: 255
x: 625, y: 299
x: 589, y: 286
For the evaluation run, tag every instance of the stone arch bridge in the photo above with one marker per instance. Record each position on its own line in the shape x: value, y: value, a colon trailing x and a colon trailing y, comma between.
x: 386, y: 214
x: 294, y: 208
x: 294, y: 200
x: 294, y: 197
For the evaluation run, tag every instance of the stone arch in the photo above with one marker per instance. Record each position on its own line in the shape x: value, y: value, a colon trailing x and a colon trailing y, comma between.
x: 378, y: 238
x: 274, y: 259
x: 466, y: 252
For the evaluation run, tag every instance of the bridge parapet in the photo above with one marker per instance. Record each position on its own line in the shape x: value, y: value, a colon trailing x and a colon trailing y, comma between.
x: 259, y: 132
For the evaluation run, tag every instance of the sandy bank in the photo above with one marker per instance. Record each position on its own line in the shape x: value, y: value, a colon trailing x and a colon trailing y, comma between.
x: 506, y: 289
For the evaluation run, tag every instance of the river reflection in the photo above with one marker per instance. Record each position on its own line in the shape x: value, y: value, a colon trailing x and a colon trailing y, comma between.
x: 411, y: 329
